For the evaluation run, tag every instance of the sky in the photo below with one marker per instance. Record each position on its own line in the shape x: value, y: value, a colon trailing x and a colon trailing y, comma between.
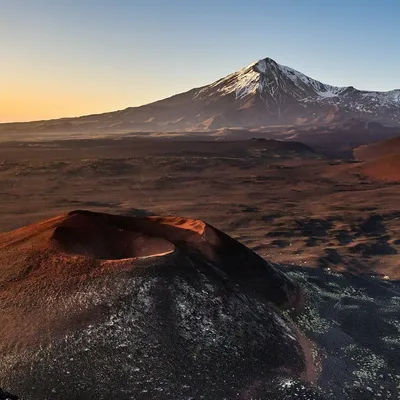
x: 64, y: 58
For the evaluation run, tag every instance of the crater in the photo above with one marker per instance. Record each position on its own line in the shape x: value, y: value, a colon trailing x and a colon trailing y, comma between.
x: 106, y: 242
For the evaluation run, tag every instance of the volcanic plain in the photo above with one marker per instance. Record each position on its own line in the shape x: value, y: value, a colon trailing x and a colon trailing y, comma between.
x: 283, y: 200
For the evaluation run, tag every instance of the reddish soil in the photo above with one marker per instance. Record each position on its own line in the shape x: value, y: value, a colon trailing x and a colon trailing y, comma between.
x: 378, y: 150
x: 382, y: 160
x: 383, y: 169
x: 79, y: 242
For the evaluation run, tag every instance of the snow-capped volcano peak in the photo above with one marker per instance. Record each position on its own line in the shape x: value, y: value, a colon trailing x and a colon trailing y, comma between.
x: 285, y: 91
x: 264, y: 65
x: 266, y: 76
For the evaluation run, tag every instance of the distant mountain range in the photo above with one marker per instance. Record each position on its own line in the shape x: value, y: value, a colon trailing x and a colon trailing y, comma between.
x: 263, y: 94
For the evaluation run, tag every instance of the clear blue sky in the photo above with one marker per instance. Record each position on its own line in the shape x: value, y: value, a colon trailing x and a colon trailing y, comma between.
x: 74, y: 57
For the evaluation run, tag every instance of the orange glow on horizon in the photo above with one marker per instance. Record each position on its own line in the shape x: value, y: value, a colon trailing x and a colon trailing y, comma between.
x: 37, y: 105
x: 23, y: 100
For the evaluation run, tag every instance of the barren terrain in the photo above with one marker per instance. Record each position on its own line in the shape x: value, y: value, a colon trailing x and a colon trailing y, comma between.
x: 283, y: 200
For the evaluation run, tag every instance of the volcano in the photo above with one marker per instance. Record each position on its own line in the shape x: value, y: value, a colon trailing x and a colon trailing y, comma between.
x: 263, y: 94
x: 153, y: 307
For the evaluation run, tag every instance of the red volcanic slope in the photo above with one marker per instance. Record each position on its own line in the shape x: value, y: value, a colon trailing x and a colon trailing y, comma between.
x: 384, y: 169
x: 382, y: 160
x: 89, y: 244
x: 378, y: 150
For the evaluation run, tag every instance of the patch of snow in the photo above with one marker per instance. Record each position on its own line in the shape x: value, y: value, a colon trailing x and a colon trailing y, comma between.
x: 328, y: 93
x: 262, y: 66
x: 242, y: 83
x: 288, y: 383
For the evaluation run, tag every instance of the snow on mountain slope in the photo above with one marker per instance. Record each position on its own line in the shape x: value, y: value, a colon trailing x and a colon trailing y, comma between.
x: 242, y: 83
x: 267, y: 77
x: 282, y: 95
